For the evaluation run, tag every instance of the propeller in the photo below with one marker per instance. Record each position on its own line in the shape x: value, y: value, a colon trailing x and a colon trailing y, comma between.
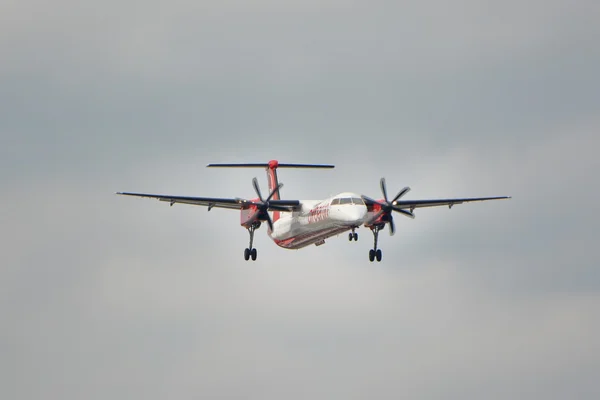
x: 264, y: 206
x: 388, y: 206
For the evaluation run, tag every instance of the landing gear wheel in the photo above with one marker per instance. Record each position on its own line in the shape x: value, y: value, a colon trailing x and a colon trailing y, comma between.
x: 355, y: 236
x: 375, y: 253
x: 251, y: 251
x: 350, y: 236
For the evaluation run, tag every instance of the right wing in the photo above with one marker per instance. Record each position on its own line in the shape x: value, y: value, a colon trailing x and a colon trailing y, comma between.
x: 210, y: 202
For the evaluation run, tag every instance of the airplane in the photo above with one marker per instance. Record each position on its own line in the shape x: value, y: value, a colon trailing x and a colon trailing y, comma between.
x: 294, y: 224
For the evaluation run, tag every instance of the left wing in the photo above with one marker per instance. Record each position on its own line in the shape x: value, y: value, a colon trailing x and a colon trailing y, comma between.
x: 210, y: 202
x: 401, y: 206
x: 412, y: 204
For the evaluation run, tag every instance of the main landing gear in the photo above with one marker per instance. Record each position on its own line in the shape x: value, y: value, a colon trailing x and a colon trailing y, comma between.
x: 250, y: 252
x: 353, y: 235
x: 375, y: 253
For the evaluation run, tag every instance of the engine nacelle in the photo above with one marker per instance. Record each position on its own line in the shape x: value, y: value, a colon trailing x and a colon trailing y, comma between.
x: 249, y: 215
x: 373, y: 210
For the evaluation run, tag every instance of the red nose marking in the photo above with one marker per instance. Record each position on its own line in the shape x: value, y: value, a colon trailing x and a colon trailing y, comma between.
x: 273, y: 164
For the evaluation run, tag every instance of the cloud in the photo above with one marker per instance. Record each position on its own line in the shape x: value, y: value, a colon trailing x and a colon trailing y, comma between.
x: 107, y: 296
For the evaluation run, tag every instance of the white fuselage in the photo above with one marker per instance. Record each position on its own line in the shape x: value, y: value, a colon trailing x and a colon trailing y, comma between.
x: 318, y: 220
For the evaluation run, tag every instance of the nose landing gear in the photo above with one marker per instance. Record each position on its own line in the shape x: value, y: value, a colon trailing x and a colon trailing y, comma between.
x: 353, y: 235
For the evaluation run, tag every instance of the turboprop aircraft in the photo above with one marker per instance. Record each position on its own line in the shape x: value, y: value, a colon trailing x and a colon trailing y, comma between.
x: 294, y: 224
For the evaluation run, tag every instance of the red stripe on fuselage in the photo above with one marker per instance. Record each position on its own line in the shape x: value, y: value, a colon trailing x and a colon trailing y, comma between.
x: 300, y: 241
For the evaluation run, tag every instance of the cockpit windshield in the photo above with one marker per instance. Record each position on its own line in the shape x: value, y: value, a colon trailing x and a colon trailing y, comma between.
x: 348, y: 200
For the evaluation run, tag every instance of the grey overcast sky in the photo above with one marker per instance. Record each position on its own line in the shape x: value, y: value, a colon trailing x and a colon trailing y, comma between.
x: 109, y: 297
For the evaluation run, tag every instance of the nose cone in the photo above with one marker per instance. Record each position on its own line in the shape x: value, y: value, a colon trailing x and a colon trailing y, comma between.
x: 355, y: 214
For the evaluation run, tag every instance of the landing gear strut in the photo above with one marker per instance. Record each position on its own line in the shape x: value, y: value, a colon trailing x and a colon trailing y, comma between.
x: 250, y: 252
x: 375, y: 253
x: 353, y: 235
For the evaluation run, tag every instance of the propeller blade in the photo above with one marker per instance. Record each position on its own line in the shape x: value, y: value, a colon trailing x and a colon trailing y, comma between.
x: 257, y: 189
x: 404, y: 212
x: 392, y: 226
x: 274, y: 191
x: 383, y: 189
x: 401, y: 193
x: 269, y: 222
x: 375, y: 217
x: 370, y: 200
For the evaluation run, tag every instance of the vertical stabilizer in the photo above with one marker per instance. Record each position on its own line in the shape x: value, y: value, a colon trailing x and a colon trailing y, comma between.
x: 273, y: 183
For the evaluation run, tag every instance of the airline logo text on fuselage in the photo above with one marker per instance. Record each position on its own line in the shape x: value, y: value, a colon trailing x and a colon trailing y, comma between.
x: 317, y: 214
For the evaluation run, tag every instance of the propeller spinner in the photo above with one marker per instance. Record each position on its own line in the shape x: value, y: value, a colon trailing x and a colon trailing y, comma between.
x: 388, y: 206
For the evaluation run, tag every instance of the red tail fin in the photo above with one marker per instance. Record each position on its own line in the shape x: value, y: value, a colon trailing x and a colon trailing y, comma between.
x: 273, y: 183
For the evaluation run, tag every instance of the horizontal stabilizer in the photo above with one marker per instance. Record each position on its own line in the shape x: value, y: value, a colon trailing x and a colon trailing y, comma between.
x: 270, y: 165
